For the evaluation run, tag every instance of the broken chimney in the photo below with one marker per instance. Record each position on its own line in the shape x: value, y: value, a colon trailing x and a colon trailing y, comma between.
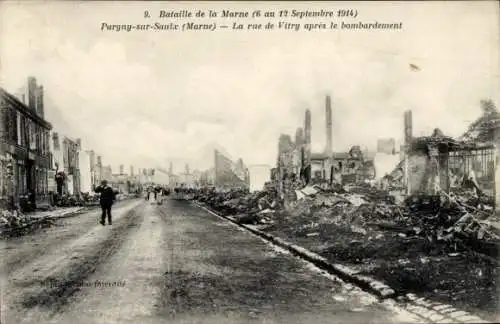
x: 32, y: 93
x: 307, y: 131
x: 39, y: 101
x: 408, y: 126
x: 329, y: 135
x: 299, y: 137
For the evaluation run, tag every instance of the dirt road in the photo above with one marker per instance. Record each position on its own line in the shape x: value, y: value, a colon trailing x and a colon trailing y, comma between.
x: 170, y: 263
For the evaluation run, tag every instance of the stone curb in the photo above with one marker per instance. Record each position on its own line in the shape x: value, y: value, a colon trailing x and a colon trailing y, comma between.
x: 431, y: 311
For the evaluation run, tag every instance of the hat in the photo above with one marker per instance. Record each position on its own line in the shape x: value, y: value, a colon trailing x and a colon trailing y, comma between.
x: 104, y: 182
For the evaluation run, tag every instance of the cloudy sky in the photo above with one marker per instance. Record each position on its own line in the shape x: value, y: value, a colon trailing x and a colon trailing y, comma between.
x: 146, y: 98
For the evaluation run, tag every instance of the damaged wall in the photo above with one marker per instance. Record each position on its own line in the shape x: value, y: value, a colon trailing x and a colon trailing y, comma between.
x: 417, y: 166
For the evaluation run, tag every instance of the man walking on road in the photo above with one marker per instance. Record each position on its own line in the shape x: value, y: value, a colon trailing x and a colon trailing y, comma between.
x: 107, y: 199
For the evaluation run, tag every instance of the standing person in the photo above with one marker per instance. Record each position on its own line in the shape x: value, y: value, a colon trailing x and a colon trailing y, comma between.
x: 107, y: 199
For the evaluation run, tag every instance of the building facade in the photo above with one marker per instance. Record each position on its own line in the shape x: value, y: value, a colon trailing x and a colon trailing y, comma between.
x: 65, y: 164
x: 24, y: 149
x: 121, y: 182
x: 106, y: 173
x: 88, y: 174
x: 320, y: 168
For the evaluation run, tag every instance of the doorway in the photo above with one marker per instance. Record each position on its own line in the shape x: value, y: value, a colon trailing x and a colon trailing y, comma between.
x: 31, y: 182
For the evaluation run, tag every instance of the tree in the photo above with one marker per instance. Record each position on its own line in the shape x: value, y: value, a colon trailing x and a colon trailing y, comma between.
x: 482, y: 129
x: 488, y: 107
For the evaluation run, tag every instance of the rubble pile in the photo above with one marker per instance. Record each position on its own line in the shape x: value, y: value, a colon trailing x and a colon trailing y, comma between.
x: 248, y: 208
x: 458, y: 217
x: 15, y: 223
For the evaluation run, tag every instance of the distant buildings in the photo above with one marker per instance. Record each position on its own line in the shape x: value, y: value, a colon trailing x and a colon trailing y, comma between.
x: 65, y: 166
x: 187, y: 177
x: 296, y: 161
x: 107, y: 173
x: 229, y: 174
x: 88, y: 172
x: 386, y: 145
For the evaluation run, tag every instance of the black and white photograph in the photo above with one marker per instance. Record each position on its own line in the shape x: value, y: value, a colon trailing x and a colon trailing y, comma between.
x: 274, y: 162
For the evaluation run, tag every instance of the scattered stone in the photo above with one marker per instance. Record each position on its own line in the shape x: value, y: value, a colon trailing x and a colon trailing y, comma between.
x: 458, y: 314
x: 436, y: 317
x: 411, y: 296
x: 339, y: 298
x: 448, y: 310
x: 441, y: 307
x: 469, y: 318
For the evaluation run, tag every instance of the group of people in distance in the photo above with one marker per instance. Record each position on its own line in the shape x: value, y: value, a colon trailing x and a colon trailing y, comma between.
x: 158, y: 193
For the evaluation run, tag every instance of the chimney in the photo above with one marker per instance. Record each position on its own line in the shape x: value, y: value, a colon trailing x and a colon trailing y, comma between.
x: 408, y: 126
x: 171, y: 168
x: 329, y: 135
x: 408, y: 134
x: 78, y: 143
x: 39, y: 102
x: 307, y: 139
x: 131, y: 170
x: 99, y: 161
x: 299, y: 137
x: 122, y: 169
x: 92, y: 160
x: 32, y: 93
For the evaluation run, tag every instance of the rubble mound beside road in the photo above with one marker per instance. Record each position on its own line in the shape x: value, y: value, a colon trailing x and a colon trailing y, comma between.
x: 426, y: 245
x: 14, y: 223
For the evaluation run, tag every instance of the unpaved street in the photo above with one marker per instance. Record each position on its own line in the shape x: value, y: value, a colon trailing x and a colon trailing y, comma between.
x: 170, y: 263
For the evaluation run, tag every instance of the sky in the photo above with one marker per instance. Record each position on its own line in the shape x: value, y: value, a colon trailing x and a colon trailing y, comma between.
x: 148, y: 98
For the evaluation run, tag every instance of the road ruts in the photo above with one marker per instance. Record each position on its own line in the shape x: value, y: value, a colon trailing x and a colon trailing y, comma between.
x: 19, y: 251
x: 217, y: 273
x: 175, y: 263
x: 34, y: 290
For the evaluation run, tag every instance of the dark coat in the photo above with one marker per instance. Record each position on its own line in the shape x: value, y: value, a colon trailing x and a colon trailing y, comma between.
x: 108, y: 195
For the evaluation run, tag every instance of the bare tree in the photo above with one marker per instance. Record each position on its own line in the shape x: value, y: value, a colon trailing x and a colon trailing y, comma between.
x: 488, y: 107
x: 483, y: 128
